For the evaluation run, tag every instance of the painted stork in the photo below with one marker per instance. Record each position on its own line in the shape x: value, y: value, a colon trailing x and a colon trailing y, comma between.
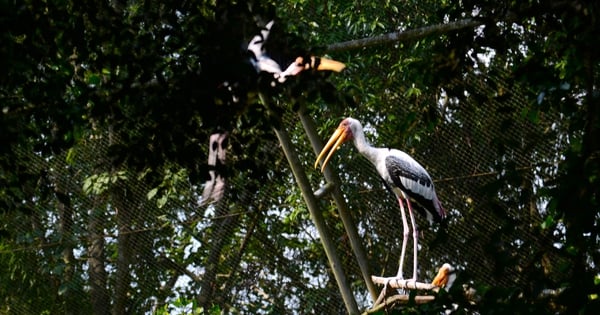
x: 406, y: 177
x: 263, y: 62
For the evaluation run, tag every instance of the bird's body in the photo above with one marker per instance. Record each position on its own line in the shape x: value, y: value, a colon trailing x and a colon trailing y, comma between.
x: 262, y: 62
x: 409, y: 181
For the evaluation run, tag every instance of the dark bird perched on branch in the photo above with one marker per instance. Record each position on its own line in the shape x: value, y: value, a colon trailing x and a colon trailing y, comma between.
x: 263, y: 62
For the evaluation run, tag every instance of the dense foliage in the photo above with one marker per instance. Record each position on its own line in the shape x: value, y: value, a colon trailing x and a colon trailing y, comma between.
x: 107, y: 108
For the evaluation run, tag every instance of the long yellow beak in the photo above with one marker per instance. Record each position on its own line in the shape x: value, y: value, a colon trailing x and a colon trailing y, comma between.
x: 329, y: 65
x: 336, y: 140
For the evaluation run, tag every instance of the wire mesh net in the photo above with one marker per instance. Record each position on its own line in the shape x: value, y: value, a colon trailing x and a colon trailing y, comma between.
x: 256, y: 250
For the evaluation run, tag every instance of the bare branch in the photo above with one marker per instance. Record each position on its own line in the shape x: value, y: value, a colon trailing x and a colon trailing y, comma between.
x: 313, y: 207
x: 403, y: 35
x: 395, y: 283
x: 399, y: 299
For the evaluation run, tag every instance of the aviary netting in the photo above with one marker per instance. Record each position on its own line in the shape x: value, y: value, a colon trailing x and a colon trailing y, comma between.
x: 256, y: 249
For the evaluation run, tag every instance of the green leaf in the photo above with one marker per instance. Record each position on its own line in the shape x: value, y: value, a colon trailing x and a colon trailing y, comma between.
x: 548, y: 223
x: 93, y: 79
x: 151, y: 193
x: 87, y: 184
x: 162, y: 201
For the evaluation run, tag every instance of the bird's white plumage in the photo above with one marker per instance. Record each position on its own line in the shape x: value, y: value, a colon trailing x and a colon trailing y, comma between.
x: 412, y: 185
x: 262, y: 61
x: 416, y: 183
x: 404, y: 175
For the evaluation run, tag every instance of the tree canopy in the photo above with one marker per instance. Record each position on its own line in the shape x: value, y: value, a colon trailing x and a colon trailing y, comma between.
x: 108, y: 107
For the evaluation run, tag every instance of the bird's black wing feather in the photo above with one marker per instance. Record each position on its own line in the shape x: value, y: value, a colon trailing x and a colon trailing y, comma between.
x: 399, y: 169
x: 415, y: 205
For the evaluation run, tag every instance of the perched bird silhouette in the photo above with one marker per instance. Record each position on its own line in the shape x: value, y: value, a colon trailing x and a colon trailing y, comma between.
x: 263, y: 62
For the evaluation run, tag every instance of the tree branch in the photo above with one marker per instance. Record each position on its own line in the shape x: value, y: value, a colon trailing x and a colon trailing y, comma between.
x: 170, y: 264
x: 403, y: 35
x: 334, y: 182
x: 395, y: 283
x: 399, y: 299
x: 313, y: 207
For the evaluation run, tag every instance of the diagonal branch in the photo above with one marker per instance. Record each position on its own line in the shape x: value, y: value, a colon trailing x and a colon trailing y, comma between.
x: 394, y: 300
x: 404, y: 35
x: 334, y: 181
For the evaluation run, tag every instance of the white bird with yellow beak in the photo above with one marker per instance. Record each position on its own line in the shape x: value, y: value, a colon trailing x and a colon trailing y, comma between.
x: 406, y: 177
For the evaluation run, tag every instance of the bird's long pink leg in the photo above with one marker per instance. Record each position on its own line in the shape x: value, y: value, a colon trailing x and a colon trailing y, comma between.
x: 415, y: 238
x: 399, y: 275
x: 405, y: 231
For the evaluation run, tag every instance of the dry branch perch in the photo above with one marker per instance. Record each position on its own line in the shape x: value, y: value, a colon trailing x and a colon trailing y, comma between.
x: 395, y: 283
x: 399, y: 299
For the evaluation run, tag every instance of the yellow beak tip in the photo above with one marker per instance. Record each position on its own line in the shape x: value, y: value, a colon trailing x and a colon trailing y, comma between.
x: 331, y: 65
x: 332, y: 145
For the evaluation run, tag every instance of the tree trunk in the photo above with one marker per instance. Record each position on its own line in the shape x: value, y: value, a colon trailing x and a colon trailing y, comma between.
x: 579, y: 197
x: 65, y: 214
x: 96, y: 269
x: 98, y: 277
x: 214, y: 191
x: 235, y: 261
x: 124, y: 251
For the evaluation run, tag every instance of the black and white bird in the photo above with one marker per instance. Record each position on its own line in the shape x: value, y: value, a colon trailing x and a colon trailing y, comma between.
x: 262, y: 62
x: 409, y: 181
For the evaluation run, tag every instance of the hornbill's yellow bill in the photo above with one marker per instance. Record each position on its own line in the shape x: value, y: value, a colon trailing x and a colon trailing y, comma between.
x: 325, y: 64
x: 316, y: 63
x: 337, y: 139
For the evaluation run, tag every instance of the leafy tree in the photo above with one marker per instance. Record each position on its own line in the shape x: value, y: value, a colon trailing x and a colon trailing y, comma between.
x: 107, y: 109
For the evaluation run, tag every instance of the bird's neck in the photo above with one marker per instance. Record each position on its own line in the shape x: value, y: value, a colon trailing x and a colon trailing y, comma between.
x: 364, y: 148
